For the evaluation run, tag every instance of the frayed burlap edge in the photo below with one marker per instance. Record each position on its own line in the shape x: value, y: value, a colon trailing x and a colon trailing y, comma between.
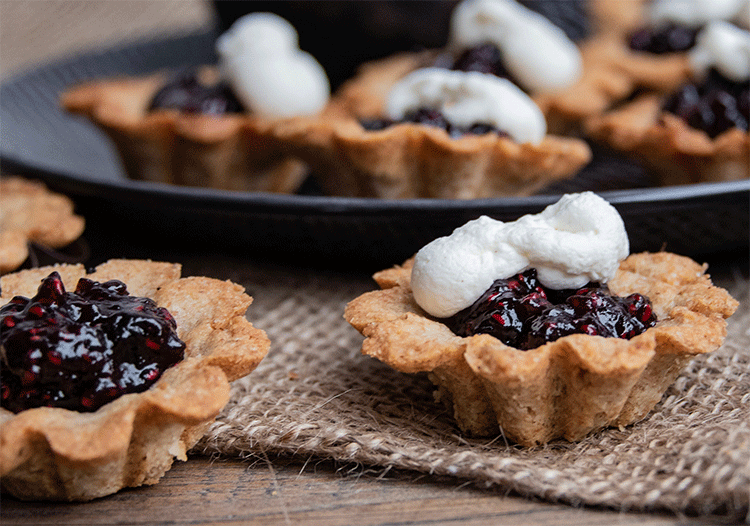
x: 316, y: 395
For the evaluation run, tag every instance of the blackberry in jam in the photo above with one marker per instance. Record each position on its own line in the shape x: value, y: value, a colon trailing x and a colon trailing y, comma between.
x: 714, y: 106
x: 485, y: 58
x: 669, y: 38
x: 432, y: 117
x: 187, y: 94
x: 80, y: 350
x: 523, y: 314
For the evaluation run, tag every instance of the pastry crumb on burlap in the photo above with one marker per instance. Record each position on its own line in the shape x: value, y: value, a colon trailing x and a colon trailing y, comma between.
x: 319, y: 398
x: 30, y: 212
x: 51, y: 453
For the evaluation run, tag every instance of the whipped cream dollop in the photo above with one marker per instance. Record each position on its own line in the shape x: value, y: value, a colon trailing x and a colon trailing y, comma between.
x: 259, y: 57
x: 726, y: 48
x: 535, y: 51
x: 694, y: 13
x: 466, y: 98
x: 579, y: 239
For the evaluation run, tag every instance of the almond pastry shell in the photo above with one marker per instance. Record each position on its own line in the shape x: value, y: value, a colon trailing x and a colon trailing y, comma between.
x: 410, y: 160
x: 230, y: 152
x: 30, y: 212
x: 57, y: 454
x: 675, y: 151
x: 568, y: 388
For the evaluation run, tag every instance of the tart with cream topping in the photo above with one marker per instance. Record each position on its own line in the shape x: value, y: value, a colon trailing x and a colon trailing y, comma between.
x: 698, y: 132
x: 109, y: 376
x: 213, y: 127
x: 640, y: 45
x: 442, y: 133
x: 498, y: 37
x: 543, y: 328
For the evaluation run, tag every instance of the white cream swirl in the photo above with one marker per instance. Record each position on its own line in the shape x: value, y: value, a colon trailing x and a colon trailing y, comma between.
x: 469, y: 98
x: 260, y: 58
x: 580, y: 238
x: 694, y: 13
x: 725, y: 47
x: 536, y: 52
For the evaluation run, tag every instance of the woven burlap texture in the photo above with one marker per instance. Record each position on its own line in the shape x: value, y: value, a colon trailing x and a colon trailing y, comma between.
x: 315, y: 395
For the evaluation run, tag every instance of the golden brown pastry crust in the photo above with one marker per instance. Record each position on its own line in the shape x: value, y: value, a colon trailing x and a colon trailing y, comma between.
x: 611, y: 71
x: 30, y: 212
x: 57, y: 454
x: 563, y: 389
x: 231, y: 152
x: 412, y: 160
x: 675, y: 151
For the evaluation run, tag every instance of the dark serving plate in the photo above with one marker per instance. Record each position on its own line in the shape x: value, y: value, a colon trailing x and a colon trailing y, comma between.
x: 72, y: 156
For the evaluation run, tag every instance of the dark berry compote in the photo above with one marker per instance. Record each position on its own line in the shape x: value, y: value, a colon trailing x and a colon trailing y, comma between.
x: 667, y: 38
x: 187, y: 94
x: 523, y: 314
x: 432, y: 117
x: 714, y: 106
x: 80, y: 350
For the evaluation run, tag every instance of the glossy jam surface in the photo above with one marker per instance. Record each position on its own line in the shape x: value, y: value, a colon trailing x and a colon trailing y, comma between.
x: 80, y: 350
x: 521, y: 313
x: 187, y: 94
x: 669, y: 38
x: 714, y: 106
x: 431, y: 117
x: 486, y: 58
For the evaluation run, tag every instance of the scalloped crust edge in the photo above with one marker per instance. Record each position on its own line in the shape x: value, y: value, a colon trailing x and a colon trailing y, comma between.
x: 675, y: 151
x: 31, y: 212
x: 231, y: 152
x: 564, y: 389
x: 56, y: 454
x: 412, y: 160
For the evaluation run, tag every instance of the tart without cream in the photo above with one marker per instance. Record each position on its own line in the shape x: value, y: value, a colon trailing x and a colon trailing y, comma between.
x: 575, y: 383
x: 30, y: 212
x: 56, y: 453
x: 212, y: 128
x: 444, y: 134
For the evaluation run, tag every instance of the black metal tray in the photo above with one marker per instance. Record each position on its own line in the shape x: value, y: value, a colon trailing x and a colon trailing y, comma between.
x: 37, y: 138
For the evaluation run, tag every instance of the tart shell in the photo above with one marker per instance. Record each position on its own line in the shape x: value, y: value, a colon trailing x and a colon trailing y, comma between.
x: 30, y: 212
x: 568, y: 388
x: 675, y: 151
x: 58, y: 454
x: 412, y: 160
x: 230, y: 152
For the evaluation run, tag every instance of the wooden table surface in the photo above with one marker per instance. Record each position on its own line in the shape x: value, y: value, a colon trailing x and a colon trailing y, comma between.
x: 258, y: 490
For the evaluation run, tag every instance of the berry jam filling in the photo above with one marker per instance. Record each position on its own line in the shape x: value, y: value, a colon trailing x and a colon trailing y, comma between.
x: 430, y: 117
x: 715, y: 106
x: 485, y: 58
x: 669, y: 38
x: 187, y: 94
x: 521, y: 313
x: 80, y: 350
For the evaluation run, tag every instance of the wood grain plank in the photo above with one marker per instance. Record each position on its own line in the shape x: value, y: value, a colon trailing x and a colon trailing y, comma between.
x: 292, y: 491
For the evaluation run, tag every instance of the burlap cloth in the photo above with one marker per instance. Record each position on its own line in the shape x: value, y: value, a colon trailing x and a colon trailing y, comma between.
x: 315, y: 395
